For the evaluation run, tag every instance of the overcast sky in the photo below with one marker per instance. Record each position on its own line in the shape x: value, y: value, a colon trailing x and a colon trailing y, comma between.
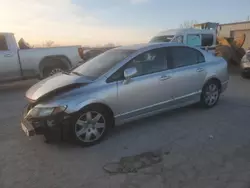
x: 101, y: 21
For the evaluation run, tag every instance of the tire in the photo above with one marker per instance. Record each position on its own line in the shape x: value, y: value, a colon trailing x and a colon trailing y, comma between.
x: 245, y: 75
x: 210, y: 94
x: 54, y: 66
x: 91, y: 125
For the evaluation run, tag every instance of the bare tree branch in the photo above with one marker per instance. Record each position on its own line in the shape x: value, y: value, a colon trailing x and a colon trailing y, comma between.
x: 188, y: 24
x: 48, y: 43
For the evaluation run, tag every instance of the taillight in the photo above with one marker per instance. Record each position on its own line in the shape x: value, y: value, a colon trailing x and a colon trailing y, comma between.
x: 80, y: 52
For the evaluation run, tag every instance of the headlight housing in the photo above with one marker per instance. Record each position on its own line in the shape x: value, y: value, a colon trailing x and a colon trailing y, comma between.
x: 45, y: 111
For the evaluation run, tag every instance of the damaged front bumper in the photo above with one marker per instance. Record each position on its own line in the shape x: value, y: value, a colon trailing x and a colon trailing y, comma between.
x: 52, y: 127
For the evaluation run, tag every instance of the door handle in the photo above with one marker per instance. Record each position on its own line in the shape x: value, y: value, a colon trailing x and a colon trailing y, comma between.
x: 8, y: 55
x: 199, y: 70
x: 165, y: 77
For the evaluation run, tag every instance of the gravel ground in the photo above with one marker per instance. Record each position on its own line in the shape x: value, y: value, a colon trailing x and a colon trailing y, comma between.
x: 207, y: 148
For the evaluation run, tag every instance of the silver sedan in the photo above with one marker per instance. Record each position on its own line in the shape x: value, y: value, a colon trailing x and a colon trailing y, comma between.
x: 121, y: 85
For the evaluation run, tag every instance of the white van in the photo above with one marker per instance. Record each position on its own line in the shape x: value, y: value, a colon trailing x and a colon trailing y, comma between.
x: 203, y: 38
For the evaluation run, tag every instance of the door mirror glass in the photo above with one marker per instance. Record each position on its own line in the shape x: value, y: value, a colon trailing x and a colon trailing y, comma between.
x: 130, y: 72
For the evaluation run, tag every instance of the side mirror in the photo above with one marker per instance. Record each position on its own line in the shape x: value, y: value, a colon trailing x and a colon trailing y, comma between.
x: 129, y: 73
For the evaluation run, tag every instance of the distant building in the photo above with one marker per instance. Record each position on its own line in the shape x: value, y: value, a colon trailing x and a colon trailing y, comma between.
x: 235, y: 29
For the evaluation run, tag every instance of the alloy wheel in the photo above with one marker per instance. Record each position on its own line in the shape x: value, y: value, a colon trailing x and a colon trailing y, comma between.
x: 55, y: 70
x: 211, y: 94
x: 90, y: 126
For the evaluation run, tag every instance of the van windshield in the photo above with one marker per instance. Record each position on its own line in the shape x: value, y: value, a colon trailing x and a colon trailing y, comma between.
x: 166, y: 38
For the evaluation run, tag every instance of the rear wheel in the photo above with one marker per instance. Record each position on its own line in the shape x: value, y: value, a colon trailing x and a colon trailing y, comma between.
x: 54, y: 66
x: 210, y: 94
x: 91, y: 125
x: 49, y: 71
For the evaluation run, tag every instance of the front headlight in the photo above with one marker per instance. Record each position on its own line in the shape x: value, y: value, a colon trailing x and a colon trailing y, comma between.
x: 44, y: 112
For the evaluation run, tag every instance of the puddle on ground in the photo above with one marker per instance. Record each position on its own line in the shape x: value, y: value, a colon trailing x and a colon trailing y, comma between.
x: 132, y: 164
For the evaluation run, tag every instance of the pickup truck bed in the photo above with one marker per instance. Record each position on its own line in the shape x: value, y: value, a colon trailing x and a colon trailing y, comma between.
x: 18, y: 64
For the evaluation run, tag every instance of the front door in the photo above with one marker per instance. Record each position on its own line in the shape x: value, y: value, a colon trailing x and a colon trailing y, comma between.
x: 145, y: 92
x: 189, y: 73
x: 9, y: 64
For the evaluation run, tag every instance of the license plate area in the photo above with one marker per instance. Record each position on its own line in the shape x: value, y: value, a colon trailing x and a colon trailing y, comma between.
x: 27, y: 129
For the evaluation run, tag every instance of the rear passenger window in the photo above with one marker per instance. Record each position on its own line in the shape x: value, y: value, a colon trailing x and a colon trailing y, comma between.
x: 184, y: 56
x: 3, y: 43
x: 207, y: 40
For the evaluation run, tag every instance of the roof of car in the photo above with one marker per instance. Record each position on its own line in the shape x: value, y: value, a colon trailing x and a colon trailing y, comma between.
x: 149, y: 45
x: 184, y: 30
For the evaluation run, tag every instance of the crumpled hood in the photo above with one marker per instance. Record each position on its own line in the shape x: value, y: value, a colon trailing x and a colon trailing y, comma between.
x: 56, y: 82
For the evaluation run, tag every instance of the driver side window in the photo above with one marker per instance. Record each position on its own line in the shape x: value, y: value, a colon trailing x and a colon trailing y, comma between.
x: 146, y: 63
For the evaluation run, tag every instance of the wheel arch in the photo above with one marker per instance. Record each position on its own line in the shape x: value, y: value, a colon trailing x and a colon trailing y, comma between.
x: 101, y: 105
x: 92, y: 102
x: 46, y: 61
x: 215, y: 79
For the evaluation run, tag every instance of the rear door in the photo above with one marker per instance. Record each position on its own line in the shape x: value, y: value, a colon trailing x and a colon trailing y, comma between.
x: 189, y: 73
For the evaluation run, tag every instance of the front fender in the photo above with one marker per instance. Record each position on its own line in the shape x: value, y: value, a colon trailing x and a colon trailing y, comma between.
x: 77, y: 107
x: 209, y: 77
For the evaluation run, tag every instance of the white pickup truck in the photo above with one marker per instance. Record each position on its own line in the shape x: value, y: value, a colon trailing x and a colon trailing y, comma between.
x: 21, y: 62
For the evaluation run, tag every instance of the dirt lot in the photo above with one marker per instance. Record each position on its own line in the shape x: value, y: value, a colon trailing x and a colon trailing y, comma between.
x: 207, y: 148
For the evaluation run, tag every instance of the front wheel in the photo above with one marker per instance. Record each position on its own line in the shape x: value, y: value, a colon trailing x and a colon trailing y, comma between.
x: 210, y: 94
x: 91, y: 125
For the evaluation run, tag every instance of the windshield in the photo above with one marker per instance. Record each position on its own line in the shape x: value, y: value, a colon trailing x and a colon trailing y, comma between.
x: 102, y: 63
x: 166, y: 38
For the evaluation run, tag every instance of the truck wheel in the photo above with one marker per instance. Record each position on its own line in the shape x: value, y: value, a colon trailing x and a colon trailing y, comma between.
x: 55, y: 66
x: 52, y: 71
